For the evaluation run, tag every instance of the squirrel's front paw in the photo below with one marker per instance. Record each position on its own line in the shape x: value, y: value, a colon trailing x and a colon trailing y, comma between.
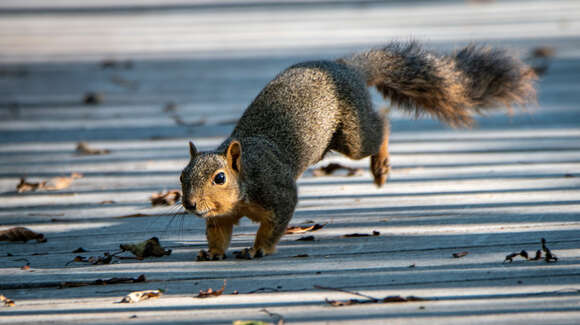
x: 249, y: 253
x: 203, y: 255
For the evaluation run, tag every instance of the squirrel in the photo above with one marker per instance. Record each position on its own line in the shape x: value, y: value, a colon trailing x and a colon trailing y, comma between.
x: 314, y: 107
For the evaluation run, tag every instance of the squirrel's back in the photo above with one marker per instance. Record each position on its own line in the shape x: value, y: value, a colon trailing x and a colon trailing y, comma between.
x: 300, y: 109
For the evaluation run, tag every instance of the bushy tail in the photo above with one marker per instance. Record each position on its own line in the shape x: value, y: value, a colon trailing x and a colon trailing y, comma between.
x: 450, y: 88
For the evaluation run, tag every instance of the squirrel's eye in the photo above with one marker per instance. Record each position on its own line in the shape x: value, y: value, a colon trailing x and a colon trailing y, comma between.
x: 220, y: 178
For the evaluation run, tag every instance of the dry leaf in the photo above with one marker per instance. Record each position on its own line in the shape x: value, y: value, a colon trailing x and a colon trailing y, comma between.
x: 549, y: 256
x: 59, y: 183
x: 92, y: 98
x: 211, y: 293
x: 53, y: 184
x: 460, y: 254
x: 165, y: 198
x: 116, y: 64
x: 374, y: 233
x: 540, y: 59
x: 6, y: 301
x: 150, y: 247
x: 137, y: 296
x: 386, y: 300
x: 543, y: 52
x: 170, y: 107
x: 332, y: 167
x: 25, y: 186
x: 369, y: 299
x: 94, y: 260
x: 303, y: 229
x: 21, y: 234
x: 84, y: 149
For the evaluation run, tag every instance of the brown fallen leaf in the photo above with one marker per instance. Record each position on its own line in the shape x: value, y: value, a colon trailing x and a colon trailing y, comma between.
x: 74, y: 284
x: 53, y: 184
x: 107, y: 202
x: 549, y: 257
x: 6, y: 301
x: 25, y: 186
x: 21, y: 234
x: 165, y: 198
x: 115, y: 64
x: 137, y: 296
x: 369, y: 299
x: 59, y: 183
x: 93, y: 98
x: 150, y: 247
x: 211, y: 293
x: 170, y: 107
x: 303, y: 228
x: 94, y: 260
x: 460, y: 254
x: 84, y: 149
x: 540, y: 59
x: 374, y: 233
x: 543, y: 52
x: 332, y: 167
x: 25, y: 267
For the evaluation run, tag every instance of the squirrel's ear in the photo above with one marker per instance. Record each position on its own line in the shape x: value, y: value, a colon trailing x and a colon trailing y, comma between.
x: 192, y: 150
x: 234, y: 155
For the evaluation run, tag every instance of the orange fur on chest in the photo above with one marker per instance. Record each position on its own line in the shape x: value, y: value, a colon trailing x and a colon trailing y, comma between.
x: 254, y: 212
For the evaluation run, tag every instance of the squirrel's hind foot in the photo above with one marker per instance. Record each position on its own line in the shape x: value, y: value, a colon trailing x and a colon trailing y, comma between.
x: 203, y: 255
x: 380, y: 170
x: 249, y: 253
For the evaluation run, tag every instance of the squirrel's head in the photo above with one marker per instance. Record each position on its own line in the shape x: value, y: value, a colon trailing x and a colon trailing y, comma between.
x: 210, y: 182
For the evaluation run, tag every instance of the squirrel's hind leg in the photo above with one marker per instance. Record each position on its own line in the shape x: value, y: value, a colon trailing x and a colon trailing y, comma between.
x: 363, y: 133
x: 380, y: 166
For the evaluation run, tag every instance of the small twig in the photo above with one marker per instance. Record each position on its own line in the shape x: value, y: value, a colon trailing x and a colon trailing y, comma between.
x: 278, y: 316
x: 264, y: 289
x: 346, y: 291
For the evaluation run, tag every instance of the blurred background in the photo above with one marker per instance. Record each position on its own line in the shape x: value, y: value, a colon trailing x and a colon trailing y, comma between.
x: 146, y: 69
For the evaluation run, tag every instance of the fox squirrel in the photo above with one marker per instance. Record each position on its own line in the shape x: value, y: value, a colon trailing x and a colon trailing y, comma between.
x: 314, y: 107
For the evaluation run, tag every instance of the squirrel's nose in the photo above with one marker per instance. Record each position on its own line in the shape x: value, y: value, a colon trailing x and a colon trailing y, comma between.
x: 189, y: 205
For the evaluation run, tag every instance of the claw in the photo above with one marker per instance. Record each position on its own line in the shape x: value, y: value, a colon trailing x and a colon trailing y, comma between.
x: 249, y: 253
x: 203, y: 255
